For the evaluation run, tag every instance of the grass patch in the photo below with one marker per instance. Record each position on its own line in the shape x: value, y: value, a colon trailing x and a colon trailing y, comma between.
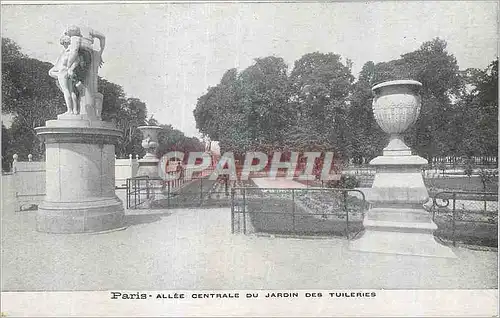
x: 459, y: 184
x: 309, y: 213
x: 484, y: 234
x: 471, y: 227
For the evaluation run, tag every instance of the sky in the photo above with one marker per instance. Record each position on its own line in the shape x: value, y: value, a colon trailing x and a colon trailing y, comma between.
x: 168, y: 54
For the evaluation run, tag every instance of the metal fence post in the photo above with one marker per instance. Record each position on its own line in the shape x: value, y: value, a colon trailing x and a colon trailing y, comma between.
x: 168, y: 193
x: 135, y: 192
x: 128, y: 193
x: 201, y: 191
x: 293, y: 210
x: 434, y: 208
x: 225, y: 185
x: 232, y: 211
x: 244, y: 210
x: 344, y: 193
x: 453, y: 222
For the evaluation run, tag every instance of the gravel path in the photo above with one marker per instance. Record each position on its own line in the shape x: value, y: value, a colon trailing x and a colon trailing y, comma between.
x: 194, y: 249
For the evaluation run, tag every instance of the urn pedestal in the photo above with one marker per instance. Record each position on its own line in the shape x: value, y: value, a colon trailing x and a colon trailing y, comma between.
x: 149, y: 164
x: 80, y: 188
x: 397, y: 222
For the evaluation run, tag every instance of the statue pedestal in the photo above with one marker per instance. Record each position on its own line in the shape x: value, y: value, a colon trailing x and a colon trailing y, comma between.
x: 80, y: 177
x: 397, y: 222
x: 148, y: 166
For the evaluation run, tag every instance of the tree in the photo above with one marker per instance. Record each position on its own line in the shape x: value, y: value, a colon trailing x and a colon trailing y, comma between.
x: 7, y: 152
x: 215, y: 110
x: 11, y: 53
x: 131, y: 114
x: 248, y: 110
x: 171, y: 139
x: 366, y: 138
x: 438, y: 72
x: 264, y: 101
x: 32, y: 97
x: 319, y: 88
x: 481, y: 110
x: 113, y: 99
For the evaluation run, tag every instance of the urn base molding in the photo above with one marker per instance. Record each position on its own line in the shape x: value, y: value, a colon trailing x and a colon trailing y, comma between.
x: 80, y: 190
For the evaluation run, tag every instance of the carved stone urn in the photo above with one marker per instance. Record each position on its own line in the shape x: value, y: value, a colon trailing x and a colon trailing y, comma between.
x: 397, y: 222
x: 396, y: 107
x: 148, y: 165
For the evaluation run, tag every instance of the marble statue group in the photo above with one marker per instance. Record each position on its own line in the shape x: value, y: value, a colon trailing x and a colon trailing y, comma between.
x: 76, y: 71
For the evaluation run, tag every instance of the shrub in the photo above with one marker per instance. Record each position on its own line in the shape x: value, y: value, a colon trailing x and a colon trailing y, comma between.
x: 487, y: 176
x: 345, y: 182
x: 442, y: 167
x: 469, y: 168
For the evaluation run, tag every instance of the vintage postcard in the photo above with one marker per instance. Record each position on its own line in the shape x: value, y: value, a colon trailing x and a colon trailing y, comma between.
x: 247, y: 158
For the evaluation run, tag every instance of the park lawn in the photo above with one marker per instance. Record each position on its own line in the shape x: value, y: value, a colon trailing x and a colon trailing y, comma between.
x: 459, y: 184
x: 276, y: 215
x: 280, y: 215
x: 471, y: 227
x: 200, y: 193
x: 192, y: 194
x: 318, y: 213
x: 473, y: 233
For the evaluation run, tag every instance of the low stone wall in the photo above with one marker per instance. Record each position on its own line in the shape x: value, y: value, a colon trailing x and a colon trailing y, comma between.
x: 124, y: 169
x: 28, y: 182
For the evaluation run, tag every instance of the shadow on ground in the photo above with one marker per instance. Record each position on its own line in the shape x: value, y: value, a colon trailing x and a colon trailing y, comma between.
x: 137, y: 219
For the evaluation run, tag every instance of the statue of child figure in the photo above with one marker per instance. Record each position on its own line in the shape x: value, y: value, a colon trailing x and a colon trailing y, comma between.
x: 67, y: 80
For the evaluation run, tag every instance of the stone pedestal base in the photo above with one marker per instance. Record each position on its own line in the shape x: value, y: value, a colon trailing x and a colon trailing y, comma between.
x: 80, y: 173
x: 148, y: 167
x: 97, y: 215
x: 396, y: 222
x: 402, y: 243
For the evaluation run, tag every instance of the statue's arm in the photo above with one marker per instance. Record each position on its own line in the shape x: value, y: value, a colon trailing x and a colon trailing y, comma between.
x: 54, y: 70
x: 101, y: 37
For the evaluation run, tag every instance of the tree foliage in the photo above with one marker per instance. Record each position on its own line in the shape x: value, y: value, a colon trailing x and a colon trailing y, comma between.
x: 171, y: 139
x: 32, y: 97
x: 476, y: 113
x: 320, y: 85
x: 319, y: 106
x: 366, y: 138
x: 439, y: 74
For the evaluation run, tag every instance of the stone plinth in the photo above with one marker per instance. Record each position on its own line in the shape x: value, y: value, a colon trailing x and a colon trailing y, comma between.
x: 149, y: 164
x: 397, y: 222
x: 148, y: 167
x: 80, y: 189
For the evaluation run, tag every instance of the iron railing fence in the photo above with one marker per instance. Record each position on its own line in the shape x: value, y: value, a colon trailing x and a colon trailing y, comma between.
x: 466, y: 216
x: 304, y: 211
x: 139, y: 190
x: 155, y: 193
